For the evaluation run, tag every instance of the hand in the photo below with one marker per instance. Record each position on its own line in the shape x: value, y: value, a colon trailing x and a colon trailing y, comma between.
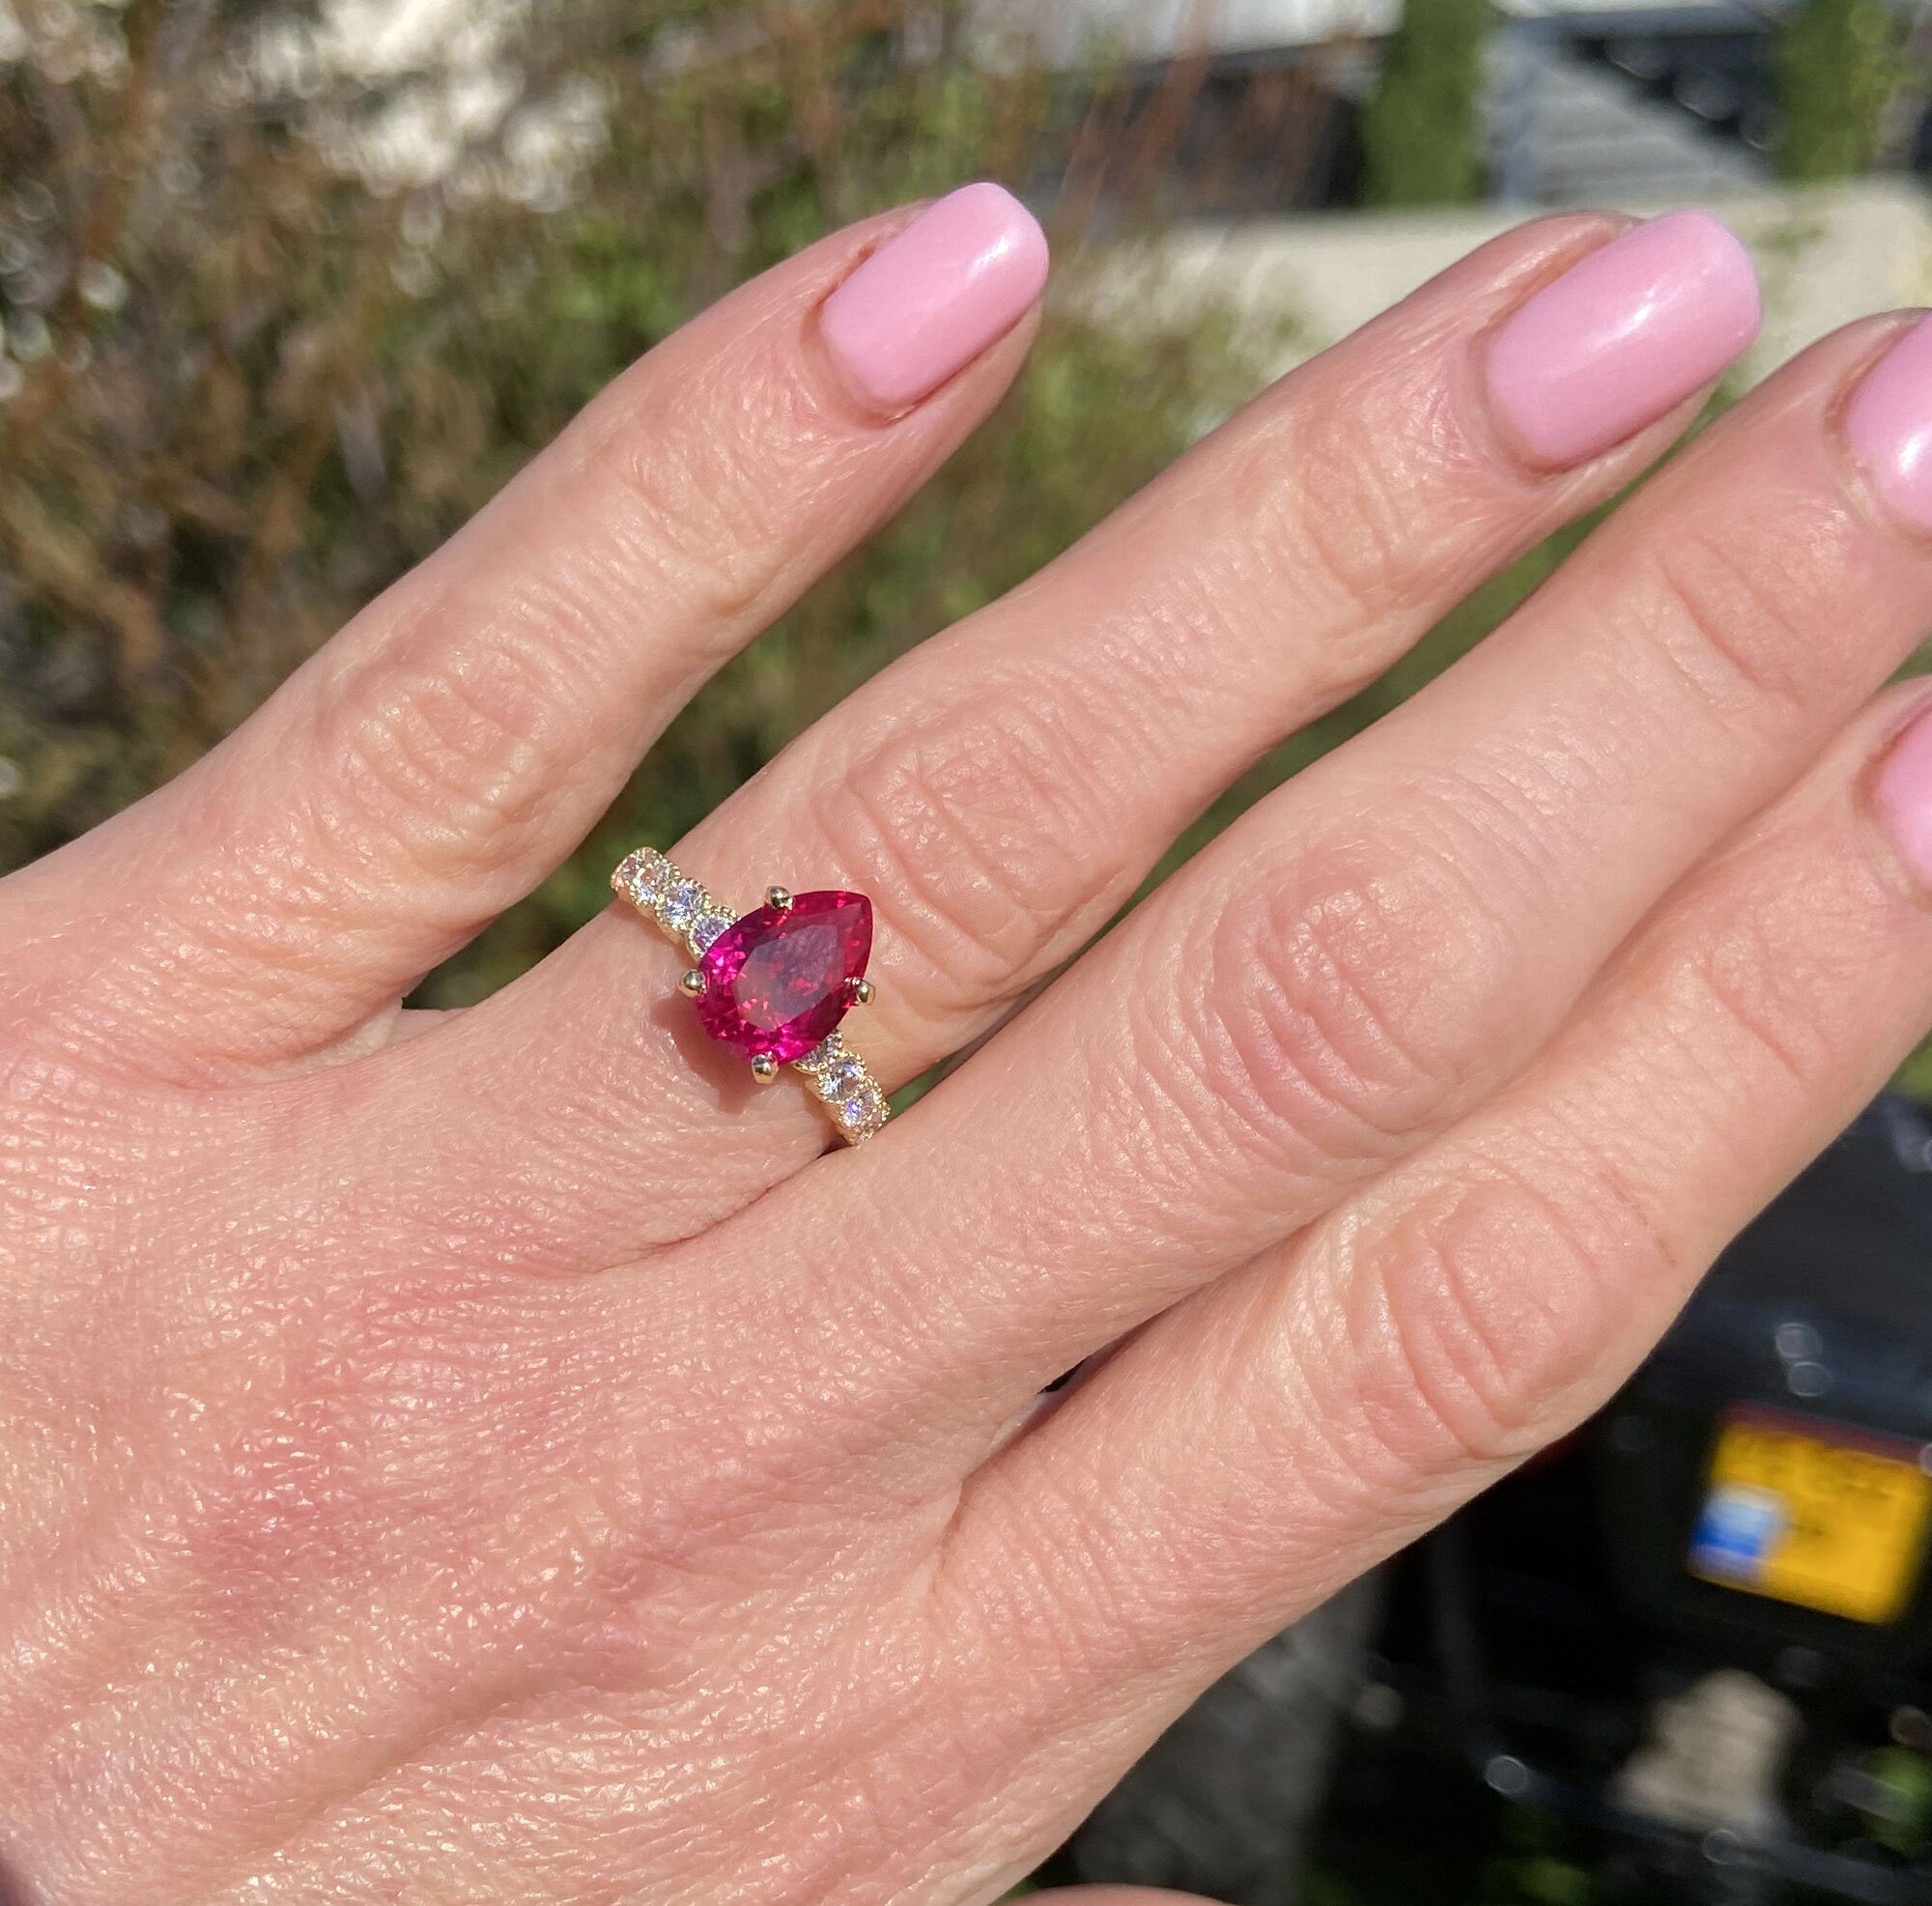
x: 496, y: 1457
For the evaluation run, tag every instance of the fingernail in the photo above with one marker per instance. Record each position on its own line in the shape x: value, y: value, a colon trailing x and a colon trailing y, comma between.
x: 1624, y: 336
x: 1890, y: 423
x: 1903, y: 796
x: 925, y: 304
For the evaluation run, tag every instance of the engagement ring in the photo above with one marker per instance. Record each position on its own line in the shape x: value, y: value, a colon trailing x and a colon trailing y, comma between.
x: 774, y: 984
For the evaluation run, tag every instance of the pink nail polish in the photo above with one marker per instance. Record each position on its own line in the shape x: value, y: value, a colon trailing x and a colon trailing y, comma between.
x: 1890, y: 423
x: 1624, y: 336
x: 1903, y: 795
x: 929, y: 300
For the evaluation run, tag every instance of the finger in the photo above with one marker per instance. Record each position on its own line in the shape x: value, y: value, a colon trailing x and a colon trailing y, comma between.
x: 1279, y: 1432
x: 1388, y: 939
x: 434, y: 762
x: 1000, y: 792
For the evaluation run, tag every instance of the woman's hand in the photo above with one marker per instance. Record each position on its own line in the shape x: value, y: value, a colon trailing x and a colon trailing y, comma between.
x: 496, y: 1456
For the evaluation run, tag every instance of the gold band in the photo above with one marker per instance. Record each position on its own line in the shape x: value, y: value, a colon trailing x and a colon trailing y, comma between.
x: 689, y: 916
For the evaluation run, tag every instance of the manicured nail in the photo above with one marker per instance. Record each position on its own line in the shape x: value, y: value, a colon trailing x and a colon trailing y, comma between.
x: 1624, y: 336
x: 1890, y: 423
x: 1903, y: 796
x: 926, y: 303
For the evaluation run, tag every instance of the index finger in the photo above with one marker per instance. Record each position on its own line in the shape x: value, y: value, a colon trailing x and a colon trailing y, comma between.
x: 436, y: 760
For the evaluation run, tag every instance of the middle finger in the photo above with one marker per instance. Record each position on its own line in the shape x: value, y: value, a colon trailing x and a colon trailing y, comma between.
x: 1382, y: 943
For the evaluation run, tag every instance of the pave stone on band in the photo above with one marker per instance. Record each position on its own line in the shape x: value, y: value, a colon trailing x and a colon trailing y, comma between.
x: 771, y: 983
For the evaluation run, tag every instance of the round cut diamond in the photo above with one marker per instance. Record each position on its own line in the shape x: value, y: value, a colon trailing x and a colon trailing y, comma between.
x: 839, y: 1076
x: 707, y: 929
x: 681, y: 905
x: 642, y: 875
x: 860, y: 1107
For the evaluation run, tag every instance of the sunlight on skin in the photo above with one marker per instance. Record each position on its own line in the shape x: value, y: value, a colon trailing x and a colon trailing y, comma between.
x: 516, y: 1461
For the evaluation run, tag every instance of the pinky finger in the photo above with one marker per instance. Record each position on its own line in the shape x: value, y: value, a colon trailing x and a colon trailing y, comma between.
x: 1287, y: 1427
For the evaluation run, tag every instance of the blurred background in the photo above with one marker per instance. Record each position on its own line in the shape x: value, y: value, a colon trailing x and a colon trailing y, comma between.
x: 287, y: 287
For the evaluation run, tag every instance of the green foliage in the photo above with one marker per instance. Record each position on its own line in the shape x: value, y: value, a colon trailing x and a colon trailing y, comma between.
x: 1837, y: 65
x: 1320, y: 1889
x: 1422, y: 133
x: 304, y: 373
x: 1914, y: 1076
x: 1898, y: 1809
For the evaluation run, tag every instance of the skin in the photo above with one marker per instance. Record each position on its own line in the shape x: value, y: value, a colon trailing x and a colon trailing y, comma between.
x: 496, y: 1457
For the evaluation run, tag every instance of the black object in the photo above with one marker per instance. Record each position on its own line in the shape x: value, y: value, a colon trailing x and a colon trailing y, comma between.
x: 1530, y: 1639
x: 1820, y: 1314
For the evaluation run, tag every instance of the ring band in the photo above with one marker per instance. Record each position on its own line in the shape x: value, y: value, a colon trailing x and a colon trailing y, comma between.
x: 771, y: 983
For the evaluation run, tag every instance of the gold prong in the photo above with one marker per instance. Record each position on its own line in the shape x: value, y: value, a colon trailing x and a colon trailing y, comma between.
x: 764, y: 1068
x: 778, y: 897
x: 862, y: 992
x: 692, y: 982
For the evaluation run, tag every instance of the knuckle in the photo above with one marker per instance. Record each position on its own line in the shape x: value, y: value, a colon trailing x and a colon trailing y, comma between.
x: 1349, y: 535
x: 691, y: 462
x: 1342, y: 1010
x: 1477, y: 1313
x: 1746, y: 979
x: 446, y: 763
x: 985, y: 834
x: 1744, y: 617
x: 1336, y: 532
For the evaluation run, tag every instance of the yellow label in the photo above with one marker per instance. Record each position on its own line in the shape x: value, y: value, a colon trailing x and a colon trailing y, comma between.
x: 1796, y: 1515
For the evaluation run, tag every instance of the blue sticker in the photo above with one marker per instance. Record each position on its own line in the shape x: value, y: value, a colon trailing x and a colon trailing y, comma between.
x: 1738, y: 1531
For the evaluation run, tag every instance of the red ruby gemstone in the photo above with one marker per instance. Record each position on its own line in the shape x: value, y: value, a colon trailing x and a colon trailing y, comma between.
x: 780, y: 980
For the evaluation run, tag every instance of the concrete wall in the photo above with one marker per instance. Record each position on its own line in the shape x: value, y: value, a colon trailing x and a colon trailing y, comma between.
x: 1826, y: 255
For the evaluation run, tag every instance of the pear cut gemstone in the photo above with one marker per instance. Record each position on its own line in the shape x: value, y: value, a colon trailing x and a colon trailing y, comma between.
x: 779, y: 979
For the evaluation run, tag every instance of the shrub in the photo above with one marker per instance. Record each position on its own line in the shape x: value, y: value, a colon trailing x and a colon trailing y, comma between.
x: 279, y: 314
x: 1838, y: 64
x: 1422, y: 133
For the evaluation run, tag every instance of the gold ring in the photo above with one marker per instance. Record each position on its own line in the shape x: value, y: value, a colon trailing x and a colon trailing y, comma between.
x: 772, y: 984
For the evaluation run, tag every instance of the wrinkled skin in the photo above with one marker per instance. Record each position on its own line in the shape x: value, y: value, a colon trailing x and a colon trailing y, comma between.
x: 496, y: 1456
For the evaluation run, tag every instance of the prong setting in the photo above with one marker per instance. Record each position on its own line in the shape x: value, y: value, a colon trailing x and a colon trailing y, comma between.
x: 693, y: 918
x: 863, y: 992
